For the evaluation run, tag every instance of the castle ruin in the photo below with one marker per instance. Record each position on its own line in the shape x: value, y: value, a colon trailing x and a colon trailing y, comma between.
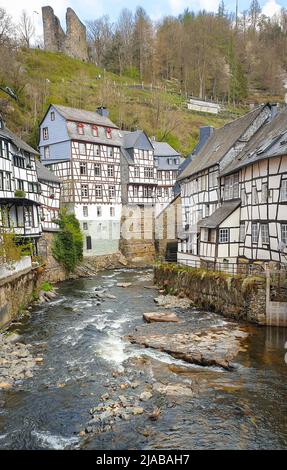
x: 73, y: 42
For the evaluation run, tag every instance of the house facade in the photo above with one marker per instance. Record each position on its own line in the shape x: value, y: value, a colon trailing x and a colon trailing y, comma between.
x: 50, y: 189
x: 167, y: 162
x: 83, y: 149
x: 19, y: 189
x: 203, y: 208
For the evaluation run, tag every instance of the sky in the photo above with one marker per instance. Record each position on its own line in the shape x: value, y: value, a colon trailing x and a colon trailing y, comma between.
x: 91, y: 9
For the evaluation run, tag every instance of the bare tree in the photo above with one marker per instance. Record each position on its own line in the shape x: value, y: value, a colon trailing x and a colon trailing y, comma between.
x: 26, y: 29
x: 6, y: 27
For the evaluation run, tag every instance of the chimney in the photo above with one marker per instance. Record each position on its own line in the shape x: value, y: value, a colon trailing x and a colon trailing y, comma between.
x: 102, y: 111
x: 153, y: 138
x: 204, y: 133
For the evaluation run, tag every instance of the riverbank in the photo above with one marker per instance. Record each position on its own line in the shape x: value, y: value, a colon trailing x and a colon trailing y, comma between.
x: 89, y: 363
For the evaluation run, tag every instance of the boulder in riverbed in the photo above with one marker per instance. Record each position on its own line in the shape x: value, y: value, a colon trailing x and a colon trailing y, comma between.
x: 124, y: 284
x: 160, y: 317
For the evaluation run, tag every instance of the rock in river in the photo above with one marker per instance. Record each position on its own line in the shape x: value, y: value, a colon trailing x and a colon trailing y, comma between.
x: 171, y: 301
x: 214, y: 347
x: 160, y: 317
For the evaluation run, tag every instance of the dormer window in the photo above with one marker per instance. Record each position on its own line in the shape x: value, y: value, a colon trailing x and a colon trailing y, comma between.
x: 45, y: 133
x: 109, y: 133
x: 95, y: 131
x: 80, y: 128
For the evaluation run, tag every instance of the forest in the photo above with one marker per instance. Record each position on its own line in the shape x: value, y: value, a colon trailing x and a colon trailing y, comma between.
x: 144, y: 71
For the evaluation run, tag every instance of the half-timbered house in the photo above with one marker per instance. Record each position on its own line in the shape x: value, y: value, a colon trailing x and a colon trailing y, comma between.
x: 200, y: 186
x: 258, y: 176
x: 50, y: 187
x: 167, y: 161
x: 19, y: 188
x: 83, y: 149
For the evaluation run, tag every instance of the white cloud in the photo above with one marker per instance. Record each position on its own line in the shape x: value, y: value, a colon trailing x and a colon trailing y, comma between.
x: 271, y: 7
x: 178, y: 6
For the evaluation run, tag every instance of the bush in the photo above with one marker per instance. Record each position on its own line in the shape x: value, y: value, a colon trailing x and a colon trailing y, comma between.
x: 46, y: 287
x: 68, y: 244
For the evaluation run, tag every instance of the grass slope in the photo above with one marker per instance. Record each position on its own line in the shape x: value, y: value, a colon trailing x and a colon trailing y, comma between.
x: 56, y: 78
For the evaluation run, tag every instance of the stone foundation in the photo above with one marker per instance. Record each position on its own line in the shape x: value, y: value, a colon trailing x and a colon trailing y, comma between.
x: 238, y: 297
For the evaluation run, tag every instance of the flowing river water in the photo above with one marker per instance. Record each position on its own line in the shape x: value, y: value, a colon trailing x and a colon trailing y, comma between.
x: 83, y: 349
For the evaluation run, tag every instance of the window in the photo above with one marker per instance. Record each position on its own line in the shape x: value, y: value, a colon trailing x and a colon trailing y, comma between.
x: 167, y: 175
x: 28, y: 216
x: 242, y: 232
x: 20, y: 185
x: 8, y: 181
x: 85, y: 211
x: 174, y: 175
x: 264, y: 234
x: 82, y: 149
x: 159, y: 175
x: 254, y: 195
x: 19, y: 161
x: 159, y: 192
x: 264, y: 192
x: 166, y: 192
x: 112, y: 211
x: 223, y: 235
x: 97, y: 169
x: 4, y: 149
x: 211, y: 235
x: 283, y: 191
x: 135, y: 191
x: 254, y: 232
x: 45, y: 133
x: 52, y: 116
x: 85, y: 190
x: 148, y: 172
x: 46, y: 152
x: 98, y: 191
x: 111, y: 170
x: 80, y: 129
x: 147, y: 191
x: 85, y: 226
x: 137, y: 172
x: 111, y: 151
x: 99, y: 211
x: 284, y: 233
x: 95, y: 131
x: 89, y: 243
x: 83, y: 169
x: 212, y: 179
x: 108, y: 133
x: 231, y: 187
x: 96, y: 149
x: 1, y: 180
x: 111, y: 192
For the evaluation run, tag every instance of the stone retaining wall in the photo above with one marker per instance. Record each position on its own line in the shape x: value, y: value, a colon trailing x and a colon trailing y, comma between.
x: 239, y: 297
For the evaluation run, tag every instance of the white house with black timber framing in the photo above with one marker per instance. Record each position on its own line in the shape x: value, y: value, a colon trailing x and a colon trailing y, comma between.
x: 19, y: 188
x: 167, y: 162
x: 83, y: 149
x: 258, y: 175
x: 50, y: 188
x: 202, y: 208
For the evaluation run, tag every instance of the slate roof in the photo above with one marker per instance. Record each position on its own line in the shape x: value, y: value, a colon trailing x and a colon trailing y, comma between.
x: 117, y: 137
x: 269, y: 141
x: 46, y: 175
x: 221, y: 214
x: 6, y: 133
x: 81, y: 115
x: 130, y: 138
x: 220, y: 142
x: 163, y: 149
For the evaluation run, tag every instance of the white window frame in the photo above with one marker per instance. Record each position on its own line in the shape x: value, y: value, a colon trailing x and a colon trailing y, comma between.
x: 85, y: 211
x: 223, y: 235
x: 85, y: 190
x: 265, y: 238
x: 283, y: 191
x: 284, y: 233
x: 45, y: 133
x: 98, y: 191
x: 254, y: 233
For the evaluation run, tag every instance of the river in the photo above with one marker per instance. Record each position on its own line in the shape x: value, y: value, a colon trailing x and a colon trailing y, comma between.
x: 83, y: 349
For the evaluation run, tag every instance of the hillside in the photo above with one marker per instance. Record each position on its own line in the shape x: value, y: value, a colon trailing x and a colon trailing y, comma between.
x: 44, y: 78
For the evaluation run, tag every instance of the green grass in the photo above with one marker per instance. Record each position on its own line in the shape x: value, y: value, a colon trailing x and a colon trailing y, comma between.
x: 46, y: 287
x: 55, y: 78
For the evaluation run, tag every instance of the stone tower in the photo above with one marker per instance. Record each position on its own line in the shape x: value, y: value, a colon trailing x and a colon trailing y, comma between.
x: 73, y: 42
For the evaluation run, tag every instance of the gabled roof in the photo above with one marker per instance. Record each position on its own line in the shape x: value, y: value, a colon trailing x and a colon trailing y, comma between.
x: 131, y: 139
x: 269, y: 141
x: 220, y: 143
x: 81, y: 115
x: 221, y: 214
x: 6, y: 133
x: 163, y: 149
x: 46, y: 175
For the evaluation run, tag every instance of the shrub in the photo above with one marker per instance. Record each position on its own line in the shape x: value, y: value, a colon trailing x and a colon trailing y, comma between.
x: 68, y: 244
